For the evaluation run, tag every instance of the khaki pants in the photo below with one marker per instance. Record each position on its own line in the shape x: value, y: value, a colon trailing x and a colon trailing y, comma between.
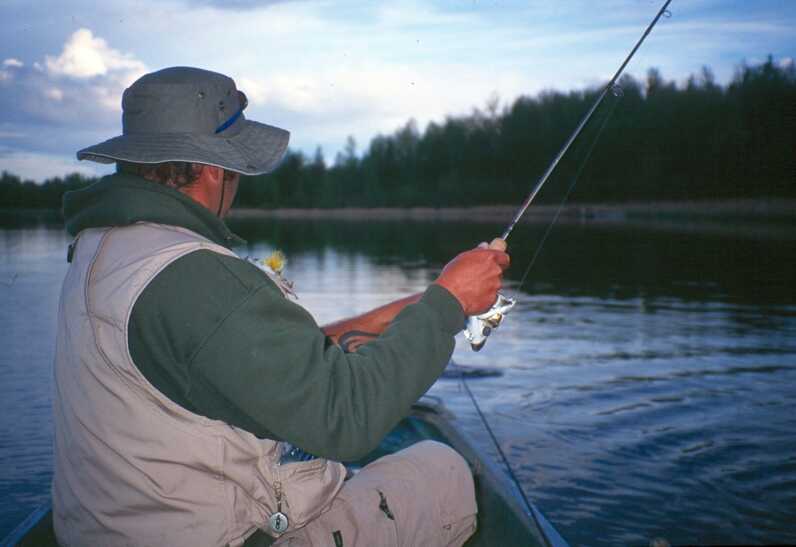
x: 422, y: 496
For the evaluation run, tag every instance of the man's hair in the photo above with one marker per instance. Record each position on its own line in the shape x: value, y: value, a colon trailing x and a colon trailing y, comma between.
x: 177, y: 174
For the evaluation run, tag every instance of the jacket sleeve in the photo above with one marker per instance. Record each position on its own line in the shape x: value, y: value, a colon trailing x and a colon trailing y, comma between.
x: 220, y: 338
x: 271, y: 360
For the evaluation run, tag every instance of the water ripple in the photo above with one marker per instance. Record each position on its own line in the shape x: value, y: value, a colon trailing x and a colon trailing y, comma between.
x: 645, y: 393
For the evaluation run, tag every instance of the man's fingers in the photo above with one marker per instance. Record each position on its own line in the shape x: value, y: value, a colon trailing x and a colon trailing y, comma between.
x: 502, y: 259
x: 498, y: 244
x: 498, y: 257
x: 475, y: 276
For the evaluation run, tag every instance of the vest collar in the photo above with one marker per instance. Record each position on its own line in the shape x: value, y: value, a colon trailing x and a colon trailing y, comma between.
x: 122, y: 199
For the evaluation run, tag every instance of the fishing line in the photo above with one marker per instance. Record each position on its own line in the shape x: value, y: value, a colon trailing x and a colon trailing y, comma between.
x: 478, y: 327
x: 504, y: 459
x: 611, y: 86
x: 552, y: 167
x: 618, y: 94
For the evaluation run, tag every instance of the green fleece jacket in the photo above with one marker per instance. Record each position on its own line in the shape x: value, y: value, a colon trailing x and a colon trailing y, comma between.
x: 215, y: 335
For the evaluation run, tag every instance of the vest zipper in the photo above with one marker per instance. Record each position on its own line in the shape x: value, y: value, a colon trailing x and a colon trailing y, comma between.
x: 279, y: 522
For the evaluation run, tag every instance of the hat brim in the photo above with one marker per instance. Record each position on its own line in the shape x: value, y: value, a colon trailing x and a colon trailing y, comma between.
x: 256, y: 149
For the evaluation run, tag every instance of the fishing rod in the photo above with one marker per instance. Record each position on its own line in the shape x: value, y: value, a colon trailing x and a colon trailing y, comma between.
x: 530, y: 510
x: 478, y: 327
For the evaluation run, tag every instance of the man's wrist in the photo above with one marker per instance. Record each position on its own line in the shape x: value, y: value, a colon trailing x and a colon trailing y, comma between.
x: 447, y: 306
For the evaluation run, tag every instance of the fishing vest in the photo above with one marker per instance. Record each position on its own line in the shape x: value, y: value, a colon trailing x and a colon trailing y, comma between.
x: 131, y: 466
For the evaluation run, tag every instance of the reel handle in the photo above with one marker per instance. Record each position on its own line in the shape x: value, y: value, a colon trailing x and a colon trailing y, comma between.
x: 478, y: 327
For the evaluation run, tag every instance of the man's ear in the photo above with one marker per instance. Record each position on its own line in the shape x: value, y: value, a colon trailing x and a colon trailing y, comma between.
x: 210, y: 173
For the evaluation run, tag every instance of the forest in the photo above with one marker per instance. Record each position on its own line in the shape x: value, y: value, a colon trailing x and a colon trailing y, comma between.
x: 649, y: 140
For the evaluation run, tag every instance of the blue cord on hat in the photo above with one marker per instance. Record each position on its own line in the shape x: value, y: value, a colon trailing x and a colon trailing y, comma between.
x: 230, y: 121
x: 244, y: 102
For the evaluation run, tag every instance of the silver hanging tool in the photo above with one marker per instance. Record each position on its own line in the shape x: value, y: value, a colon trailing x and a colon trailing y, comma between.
x: 278, y: 521
x: 478, y: 327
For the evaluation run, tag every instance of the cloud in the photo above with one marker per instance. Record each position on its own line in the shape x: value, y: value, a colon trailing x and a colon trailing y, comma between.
x: 325, y: 69
x: 64, y: 102
x: 725, y: 27
x: 55, y: 94
x: 75, y: 93
x: 237, y: 5
x: 38, y: 167
x: 369, y: 90
x: 85, y: 56
x: 324, y: 107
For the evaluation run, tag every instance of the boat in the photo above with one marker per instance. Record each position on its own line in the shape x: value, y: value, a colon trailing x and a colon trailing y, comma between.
x: 503, y: 517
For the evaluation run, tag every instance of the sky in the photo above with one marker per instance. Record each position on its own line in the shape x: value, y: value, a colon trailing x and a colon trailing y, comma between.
x: 326, y: 70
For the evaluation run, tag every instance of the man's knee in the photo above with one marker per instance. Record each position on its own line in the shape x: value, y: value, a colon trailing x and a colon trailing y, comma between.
x: 448, y: 478
x: 422, y: 495
x: 456, y: 533
x: 439, y: 458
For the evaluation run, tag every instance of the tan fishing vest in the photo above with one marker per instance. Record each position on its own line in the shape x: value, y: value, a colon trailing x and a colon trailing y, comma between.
x: 131, y: 466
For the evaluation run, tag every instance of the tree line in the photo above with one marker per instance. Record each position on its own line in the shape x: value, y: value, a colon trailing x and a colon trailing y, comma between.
x: 649, y: 140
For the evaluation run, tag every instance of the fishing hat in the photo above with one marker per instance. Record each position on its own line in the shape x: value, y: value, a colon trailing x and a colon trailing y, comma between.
x: 193, y: 115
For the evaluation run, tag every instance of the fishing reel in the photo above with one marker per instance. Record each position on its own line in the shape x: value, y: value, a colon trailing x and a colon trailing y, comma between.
x: 478, y: 327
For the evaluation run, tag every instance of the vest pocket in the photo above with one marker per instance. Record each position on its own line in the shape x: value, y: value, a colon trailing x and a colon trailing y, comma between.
x: 350, y: 522
x: 308, y: 488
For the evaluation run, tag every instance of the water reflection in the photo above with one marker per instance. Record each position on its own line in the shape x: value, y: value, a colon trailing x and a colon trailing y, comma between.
x: 647, y: 375
x: 606, y: 261
x: 32, y: 266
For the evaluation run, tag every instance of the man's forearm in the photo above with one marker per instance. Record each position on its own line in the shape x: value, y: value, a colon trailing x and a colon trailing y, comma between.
x: 353, y: 332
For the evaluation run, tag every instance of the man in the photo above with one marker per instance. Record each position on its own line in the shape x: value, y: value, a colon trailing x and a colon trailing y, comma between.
x: 184, y: 377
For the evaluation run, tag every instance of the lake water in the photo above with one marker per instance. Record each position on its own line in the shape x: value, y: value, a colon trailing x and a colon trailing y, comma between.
x: 649, y: 370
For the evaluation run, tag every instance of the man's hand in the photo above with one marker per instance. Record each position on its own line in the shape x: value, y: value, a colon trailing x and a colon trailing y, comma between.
x: 474, y: 277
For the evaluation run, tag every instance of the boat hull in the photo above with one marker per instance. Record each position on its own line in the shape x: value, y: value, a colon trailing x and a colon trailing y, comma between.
x: 503, y: 518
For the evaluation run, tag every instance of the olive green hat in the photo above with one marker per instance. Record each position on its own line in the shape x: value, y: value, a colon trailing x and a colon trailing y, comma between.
x: 194, y: 115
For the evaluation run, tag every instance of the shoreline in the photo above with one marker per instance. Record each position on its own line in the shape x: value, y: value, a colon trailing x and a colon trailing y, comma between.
x: 767, y: 210
x: 759, y: 209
